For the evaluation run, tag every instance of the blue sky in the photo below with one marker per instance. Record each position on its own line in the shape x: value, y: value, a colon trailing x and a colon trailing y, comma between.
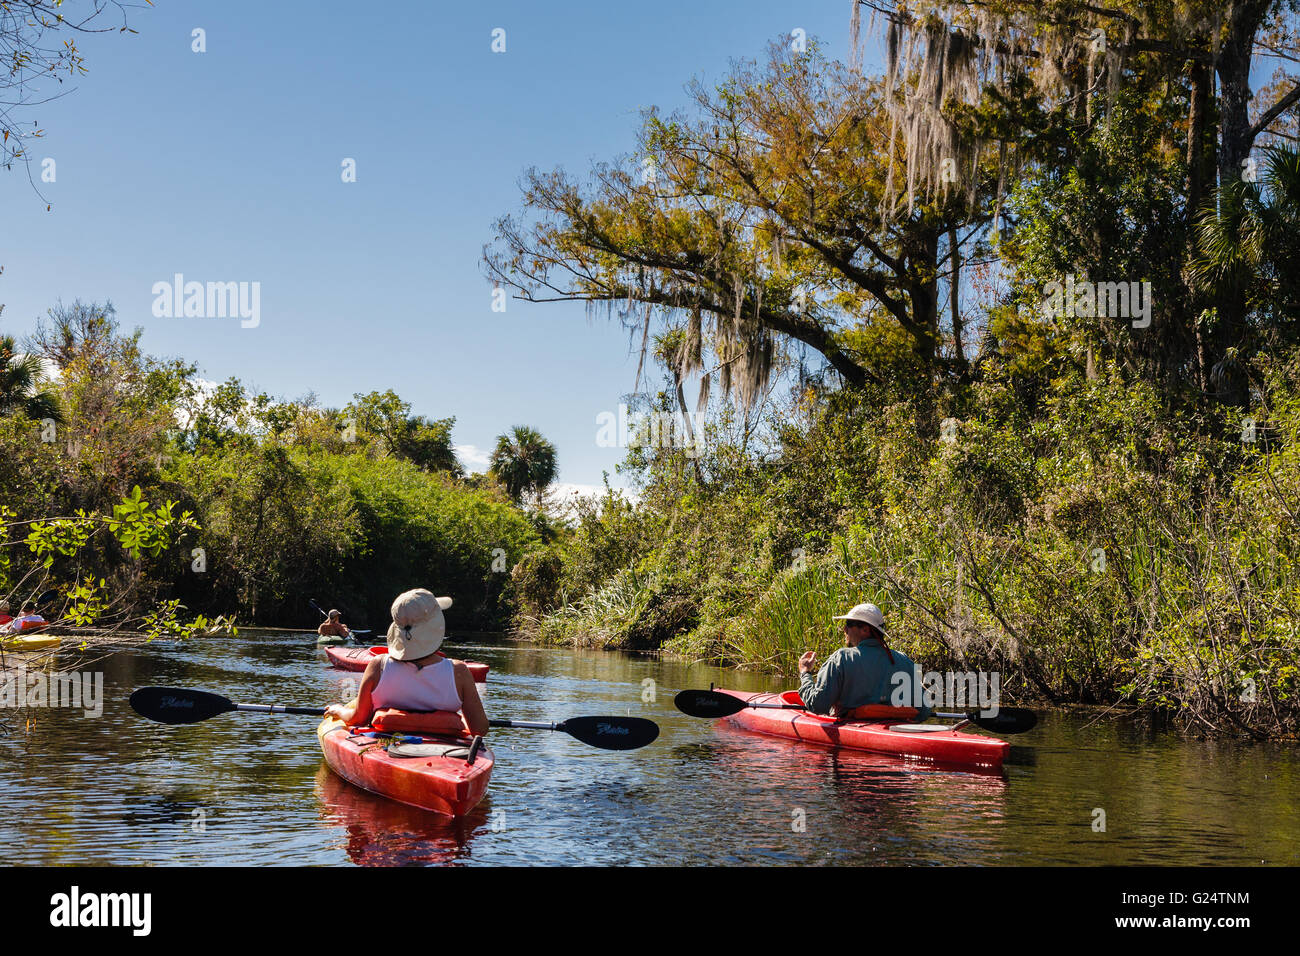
x: 225, y: 166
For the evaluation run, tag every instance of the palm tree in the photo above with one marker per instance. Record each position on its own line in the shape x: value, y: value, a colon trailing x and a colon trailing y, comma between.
x: 524, y: 462
x: 1250, y: 239
x: 22, y: 388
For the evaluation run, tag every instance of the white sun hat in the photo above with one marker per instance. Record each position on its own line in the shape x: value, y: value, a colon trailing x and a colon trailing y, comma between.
x: 418, y: 625
x: 867, y: 614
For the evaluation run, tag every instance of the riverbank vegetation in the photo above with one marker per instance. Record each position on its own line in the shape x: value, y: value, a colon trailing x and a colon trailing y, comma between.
x: 1104, y: 550
x: 1003, y: 339
x: 282, y: 501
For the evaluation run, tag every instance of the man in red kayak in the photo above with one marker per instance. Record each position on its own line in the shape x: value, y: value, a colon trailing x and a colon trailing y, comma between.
x: 412, y: 675
x: 334, y: 626
x: 860, y: 674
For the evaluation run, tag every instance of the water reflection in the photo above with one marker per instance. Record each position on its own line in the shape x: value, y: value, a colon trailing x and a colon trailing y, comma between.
x: 380, y: 832
x: 881, y: 809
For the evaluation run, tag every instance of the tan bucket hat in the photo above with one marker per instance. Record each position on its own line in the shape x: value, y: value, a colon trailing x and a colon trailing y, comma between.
x: 418, y: 625
x: 865, y: 613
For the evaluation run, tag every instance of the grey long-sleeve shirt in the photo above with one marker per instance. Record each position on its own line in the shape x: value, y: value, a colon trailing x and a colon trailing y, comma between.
x: 855, y: 677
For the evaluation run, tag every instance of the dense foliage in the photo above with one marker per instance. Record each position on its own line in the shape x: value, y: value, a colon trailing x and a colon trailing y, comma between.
x: 1100, y: 549
x: 283, y: 502
x: 1093, y: 494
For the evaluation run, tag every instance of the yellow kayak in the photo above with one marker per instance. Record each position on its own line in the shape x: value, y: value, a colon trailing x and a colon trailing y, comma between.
x: 40, y: 643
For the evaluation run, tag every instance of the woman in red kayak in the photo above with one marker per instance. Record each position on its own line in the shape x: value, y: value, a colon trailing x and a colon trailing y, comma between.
x: 412, y: 675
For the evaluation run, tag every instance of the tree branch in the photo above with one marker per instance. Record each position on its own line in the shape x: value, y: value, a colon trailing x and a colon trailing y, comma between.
x: 1274, y: 111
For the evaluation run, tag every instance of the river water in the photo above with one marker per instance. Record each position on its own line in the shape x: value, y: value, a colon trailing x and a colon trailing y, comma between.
x: 253, y: 789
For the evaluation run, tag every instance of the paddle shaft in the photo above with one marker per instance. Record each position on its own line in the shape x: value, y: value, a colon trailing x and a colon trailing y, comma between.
x: 318, y: 712
x: 516, y: 724
x: 526, y: 724
x: 281, y: 709
x: 179, y: 705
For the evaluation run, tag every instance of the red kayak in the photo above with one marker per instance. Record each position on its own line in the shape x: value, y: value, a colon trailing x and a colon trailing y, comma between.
x: 934, y: 742
x: 356, y: 659
x: 441, y: 778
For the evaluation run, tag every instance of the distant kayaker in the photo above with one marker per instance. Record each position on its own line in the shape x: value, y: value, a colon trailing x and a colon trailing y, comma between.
x: 26, y: 616
x: 5, y: 616
x: 333, y: 626
x: 412, y: 675
x: 859, y: 674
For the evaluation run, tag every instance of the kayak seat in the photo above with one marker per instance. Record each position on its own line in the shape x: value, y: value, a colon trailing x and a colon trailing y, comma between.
x: 433, y: 722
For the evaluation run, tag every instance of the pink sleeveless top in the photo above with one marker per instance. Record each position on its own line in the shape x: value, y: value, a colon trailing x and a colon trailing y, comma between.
x: 407, y: 687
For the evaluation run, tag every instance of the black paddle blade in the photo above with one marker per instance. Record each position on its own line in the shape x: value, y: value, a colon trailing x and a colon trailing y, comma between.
x: 1010, y: 720
x: 176, y: 705
x: 708, y: 703
x: 612, y: 733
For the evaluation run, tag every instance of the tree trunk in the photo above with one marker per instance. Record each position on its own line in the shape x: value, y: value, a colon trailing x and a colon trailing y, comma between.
x: 1244, y: 18
x: 923, y: 291
x: 690, y: 429
x: 1200, y: 148
x: 1200, y: 173
x: 954, y: 302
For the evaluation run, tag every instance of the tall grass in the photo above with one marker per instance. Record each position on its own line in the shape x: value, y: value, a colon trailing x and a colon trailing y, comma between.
x: 602, y: 618
x: 793, y: 616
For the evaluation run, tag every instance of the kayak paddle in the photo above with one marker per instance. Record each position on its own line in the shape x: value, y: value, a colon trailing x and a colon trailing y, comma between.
x: 1009, y: 720
x: 709, y: 703
x: 608, y: 733
x: 178, y: 705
